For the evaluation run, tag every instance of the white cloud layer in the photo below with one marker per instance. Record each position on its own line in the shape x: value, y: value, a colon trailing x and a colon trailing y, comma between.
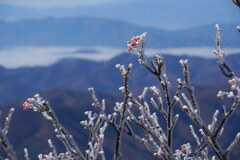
x: 45, y: 56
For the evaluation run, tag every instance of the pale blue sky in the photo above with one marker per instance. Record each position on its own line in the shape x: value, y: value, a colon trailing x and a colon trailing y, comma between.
x: 54, y: 3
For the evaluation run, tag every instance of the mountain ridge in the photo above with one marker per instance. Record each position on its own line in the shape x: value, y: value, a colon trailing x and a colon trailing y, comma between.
x: 103, y: 76
x: 85, y: 31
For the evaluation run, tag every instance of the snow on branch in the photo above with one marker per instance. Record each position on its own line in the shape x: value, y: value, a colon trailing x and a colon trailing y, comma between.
x: 7, y: 121
x: 7, y: 147
x: 36, y: 103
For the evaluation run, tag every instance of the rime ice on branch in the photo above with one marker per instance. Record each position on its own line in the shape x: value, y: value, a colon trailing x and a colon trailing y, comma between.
x: 38, y: 104
x: 188, y: 102
x: 237, y: 2
x: 96, y: 125
x: 3, y: 138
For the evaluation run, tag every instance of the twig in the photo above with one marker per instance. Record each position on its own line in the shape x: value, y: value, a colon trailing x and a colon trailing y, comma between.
x: 125, y: 74
x: 26, y: 156
x: 37, y: 104
x: 7, y: 146
x: 53, y: 149
x: 8, y: 119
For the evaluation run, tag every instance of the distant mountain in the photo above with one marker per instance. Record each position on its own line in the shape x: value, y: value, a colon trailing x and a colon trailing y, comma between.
x: 155, y: 13
x: 79, y: 75
x: 85, y: 31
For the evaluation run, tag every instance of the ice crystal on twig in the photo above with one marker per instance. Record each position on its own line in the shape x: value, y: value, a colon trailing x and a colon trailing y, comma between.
x: 38, y: 104
x: 7, y: 147
x: 26, y: 156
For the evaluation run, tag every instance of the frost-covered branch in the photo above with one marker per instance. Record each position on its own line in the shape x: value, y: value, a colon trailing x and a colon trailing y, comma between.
x: 7, y: 146
x: 218, y: 52
x: 3, y: 138
x: 211, y: 133
x: 233, y: 144
x: 7, y: 121
x: 96, y: 125
x: 192, y: 109
x: 137, y: 45
x: 234, y: 94
x: 38, y: 104
x: 122, y: 108
x: 53, y: 149
x: 26, y: 156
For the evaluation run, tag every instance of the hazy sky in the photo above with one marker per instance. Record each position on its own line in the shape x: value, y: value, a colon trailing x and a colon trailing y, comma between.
x: 54, y: 3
